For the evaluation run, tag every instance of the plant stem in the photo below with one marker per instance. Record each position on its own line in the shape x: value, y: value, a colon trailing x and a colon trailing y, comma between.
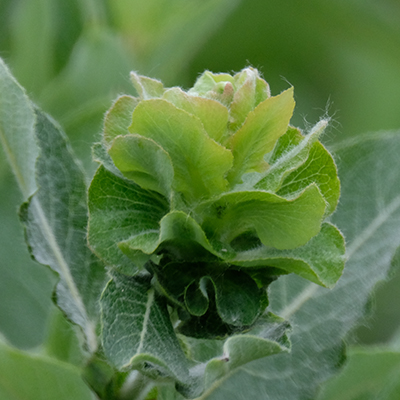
x: 135, y: 387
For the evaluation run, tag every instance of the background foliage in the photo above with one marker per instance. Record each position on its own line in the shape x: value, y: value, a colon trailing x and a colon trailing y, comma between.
x: 74, y: 57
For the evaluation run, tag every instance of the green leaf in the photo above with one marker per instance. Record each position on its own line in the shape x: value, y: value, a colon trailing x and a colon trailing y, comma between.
x: 118, y: 118
x: 259, y: 133
x: 147, y: 88
x: 200, y: 164
x: 278, y: 222
x: 309, y: 261
x: 319, y: 168
x: 369, y: 216
x: 55, y: 220
x: 32, y: 377
x: 212, y: 114
x: 251, y: 91
x: 137, y: 331
x: 369, y: 374
x: 143, y: 161
x: 267, y: 337
x: 178, y: 233
x: 237, y: 298
x: 17, y: 120
x: 196, y: 299
x: 291, y: 151
x: 119, y: 209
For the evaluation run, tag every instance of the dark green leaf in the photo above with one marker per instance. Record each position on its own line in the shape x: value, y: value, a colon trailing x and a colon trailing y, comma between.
x: 120, y: 210
x: 237, y: 298
x: 137, y: 331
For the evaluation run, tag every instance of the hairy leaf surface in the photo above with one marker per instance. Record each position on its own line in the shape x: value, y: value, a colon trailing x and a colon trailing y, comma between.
x: 55, y: 220
x: 369, y: 216
x: 184, y: 138
x: 137, y: 331
x: 119, y: 210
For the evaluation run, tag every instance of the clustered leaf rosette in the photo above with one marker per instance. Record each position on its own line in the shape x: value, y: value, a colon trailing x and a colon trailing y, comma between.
x: 214, y: 195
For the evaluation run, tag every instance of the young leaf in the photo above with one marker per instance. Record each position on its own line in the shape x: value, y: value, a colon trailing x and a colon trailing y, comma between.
x: 32, y: 377
x: 251, y: 91
x: 137, y: 331
x: 212, y: 114
x: 278, y: 222
x: 147, y: 88
x: 180, y: 234
x: 55, y: 220
x: 369, y: 216
x: 143, y: 161
x: 319, y: 168
x: 118, y: 118
x: 258, y: 135
x: 291, y: 151
x: 199, y: 162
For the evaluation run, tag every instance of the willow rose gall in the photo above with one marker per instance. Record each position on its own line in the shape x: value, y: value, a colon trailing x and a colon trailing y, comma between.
x: 212, y: 195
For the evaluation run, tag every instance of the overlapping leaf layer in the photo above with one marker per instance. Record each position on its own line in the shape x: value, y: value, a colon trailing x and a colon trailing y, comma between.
x: 203, y: 199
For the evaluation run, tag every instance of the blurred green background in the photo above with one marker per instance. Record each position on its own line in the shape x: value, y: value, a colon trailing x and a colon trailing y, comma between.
x: 73, y: 57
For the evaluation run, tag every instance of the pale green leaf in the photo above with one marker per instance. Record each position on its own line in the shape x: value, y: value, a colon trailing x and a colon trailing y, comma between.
x: 55, y: 220
x: 119, y: 209
x: 321, y: 260
x: 26, y: 376
x: 212, y: 114
x: 319, y: 168
x: 17, y: 120
x: 290, y: 152
x: 278, y: 222
x: 200, y: 164
x: 369, y: 374
x: 137, y: 331
x: 251, y: 90
x: 146, y: 87
x: 258, y: 135
x: 143, y: 161
x: 118, y: 118
x: 369, y: 216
